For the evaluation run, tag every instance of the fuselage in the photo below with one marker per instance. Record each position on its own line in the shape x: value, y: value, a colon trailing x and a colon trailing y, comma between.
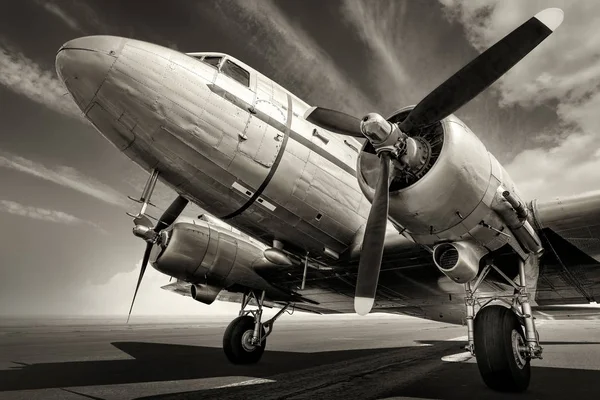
x: 224, y: 136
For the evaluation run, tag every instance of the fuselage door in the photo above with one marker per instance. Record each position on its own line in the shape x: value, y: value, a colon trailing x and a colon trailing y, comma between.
x: 266, y: 108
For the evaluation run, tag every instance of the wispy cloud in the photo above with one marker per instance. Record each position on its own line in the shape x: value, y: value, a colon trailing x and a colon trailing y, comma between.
x: 562, y: 73
x: 288, y: 45
x: 65, y: 176
x: 42, y: 214
x: 25, y: 77
x: 377, y: 23
x: 56, y: 10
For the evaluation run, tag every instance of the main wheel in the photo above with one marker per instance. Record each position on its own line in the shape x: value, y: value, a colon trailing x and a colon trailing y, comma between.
x: 237, y: 341
x: 499, y: 349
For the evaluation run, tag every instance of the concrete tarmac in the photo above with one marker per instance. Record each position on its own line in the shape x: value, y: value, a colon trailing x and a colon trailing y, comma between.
x: 307, y: 357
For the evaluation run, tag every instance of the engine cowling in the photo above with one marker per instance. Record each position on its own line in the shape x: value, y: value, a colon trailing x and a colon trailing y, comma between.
x: 210, y: 257
x: 448, y: 197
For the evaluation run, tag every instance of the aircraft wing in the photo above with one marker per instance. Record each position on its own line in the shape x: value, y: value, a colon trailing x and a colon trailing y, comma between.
x: 184, y: 289
x: 411, y: 284
x: 570, y: 269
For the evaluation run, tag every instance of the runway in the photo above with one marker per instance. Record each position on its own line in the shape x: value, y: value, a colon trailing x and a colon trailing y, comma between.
x: 314, y: 357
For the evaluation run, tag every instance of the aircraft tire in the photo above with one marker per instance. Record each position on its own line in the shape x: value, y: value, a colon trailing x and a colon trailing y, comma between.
x: 497, y: 332
x: 235, y: 342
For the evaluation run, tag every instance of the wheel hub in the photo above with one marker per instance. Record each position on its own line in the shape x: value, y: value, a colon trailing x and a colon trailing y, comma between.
x: 247, y: 341
x: 519, y: 349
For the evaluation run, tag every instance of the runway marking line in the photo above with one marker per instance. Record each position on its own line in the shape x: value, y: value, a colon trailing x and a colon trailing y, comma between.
x: 458, y: 357
x: 256, y: 381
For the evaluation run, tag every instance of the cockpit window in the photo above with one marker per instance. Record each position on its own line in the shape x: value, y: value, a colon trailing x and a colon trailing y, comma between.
x: 212, y: 60
x: 236, y: 72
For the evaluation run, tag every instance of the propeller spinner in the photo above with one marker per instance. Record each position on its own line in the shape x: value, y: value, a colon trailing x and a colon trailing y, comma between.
x: 143, y: 230
x: 392, y: 141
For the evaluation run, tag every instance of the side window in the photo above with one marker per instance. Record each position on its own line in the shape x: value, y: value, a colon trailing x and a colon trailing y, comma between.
x: 212, y: 60
x: 236, y: 72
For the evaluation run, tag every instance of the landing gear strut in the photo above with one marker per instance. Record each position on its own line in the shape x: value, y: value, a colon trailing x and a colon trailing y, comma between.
x: 245, y: 338
x: 503, y: 339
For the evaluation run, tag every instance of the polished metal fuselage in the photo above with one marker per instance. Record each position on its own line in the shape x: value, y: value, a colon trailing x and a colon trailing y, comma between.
x: 219, y: 143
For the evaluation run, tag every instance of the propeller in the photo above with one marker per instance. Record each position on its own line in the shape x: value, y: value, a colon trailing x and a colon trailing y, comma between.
x: 461, y: 87
x: 165, y: 220
x: 484, y: 70
x: 335, y: 121
x: 372, y: 247
x: 448, y: 97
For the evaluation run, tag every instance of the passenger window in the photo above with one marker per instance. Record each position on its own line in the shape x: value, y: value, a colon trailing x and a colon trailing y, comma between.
x: 236, y: 72
x: 212, y: 60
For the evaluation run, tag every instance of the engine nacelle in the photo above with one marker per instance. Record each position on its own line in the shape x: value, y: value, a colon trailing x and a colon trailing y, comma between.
x: 210, y: 256
x: 459, y: 261
x: 449, y: 197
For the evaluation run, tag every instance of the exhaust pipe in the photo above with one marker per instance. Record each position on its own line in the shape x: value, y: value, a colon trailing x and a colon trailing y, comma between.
x: 205, y: 293
x: 515, y: 214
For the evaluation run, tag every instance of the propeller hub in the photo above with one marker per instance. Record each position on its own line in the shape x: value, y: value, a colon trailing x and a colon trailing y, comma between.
x: 144, y: 232
x: 377, y: 130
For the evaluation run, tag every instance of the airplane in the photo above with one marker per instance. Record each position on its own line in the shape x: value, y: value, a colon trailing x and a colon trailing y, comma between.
x: 328, y: 213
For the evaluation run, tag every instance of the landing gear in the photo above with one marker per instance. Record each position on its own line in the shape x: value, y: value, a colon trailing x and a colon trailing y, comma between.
x: 503, y: 339
x: 245, y: 338
x: 238, y: 344
x: 501, y: 350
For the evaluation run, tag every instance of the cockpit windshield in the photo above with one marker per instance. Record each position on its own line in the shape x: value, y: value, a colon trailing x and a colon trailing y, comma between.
x: 212, y: 60
x: 236, y: 72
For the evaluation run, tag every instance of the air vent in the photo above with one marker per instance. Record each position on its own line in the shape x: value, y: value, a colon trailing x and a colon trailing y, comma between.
x: 448, y: 258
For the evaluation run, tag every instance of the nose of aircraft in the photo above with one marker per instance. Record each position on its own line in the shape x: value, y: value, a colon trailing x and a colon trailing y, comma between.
x: 83, y: 64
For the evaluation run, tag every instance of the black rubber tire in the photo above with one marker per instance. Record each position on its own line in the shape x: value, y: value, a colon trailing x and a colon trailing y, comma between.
x: 494, y: 350
x: 232, y: 342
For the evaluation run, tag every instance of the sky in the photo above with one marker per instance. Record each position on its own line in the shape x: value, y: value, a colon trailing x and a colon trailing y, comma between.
x: 66, y: 246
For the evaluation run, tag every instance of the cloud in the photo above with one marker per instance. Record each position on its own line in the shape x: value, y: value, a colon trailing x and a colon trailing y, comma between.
x: 65, y: 176
x: 57, y: 11
x: 25, y: 77
x: 43, y: 214
x: 377, y: 24
x: 562, y: 73
x: 288, y: 45
x: 88, y: 20
x: 114, y: 297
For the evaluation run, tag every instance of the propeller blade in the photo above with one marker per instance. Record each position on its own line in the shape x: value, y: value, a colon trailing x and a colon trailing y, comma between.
x: 142, y: 270
x: 165, y: 220
x: 171, y: 213
x: 372, y: 247
x: 334, y: 121
x: 484, y: 70
x: 142, y: 220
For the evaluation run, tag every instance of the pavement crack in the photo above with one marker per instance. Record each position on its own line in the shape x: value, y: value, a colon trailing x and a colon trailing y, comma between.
x: 82, y: 394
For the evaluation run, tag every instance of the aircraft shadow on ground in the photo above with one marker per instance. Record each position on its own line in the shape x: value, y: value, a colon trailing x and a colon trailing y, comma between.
x: 452, y: 381
x: 155, y: 362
